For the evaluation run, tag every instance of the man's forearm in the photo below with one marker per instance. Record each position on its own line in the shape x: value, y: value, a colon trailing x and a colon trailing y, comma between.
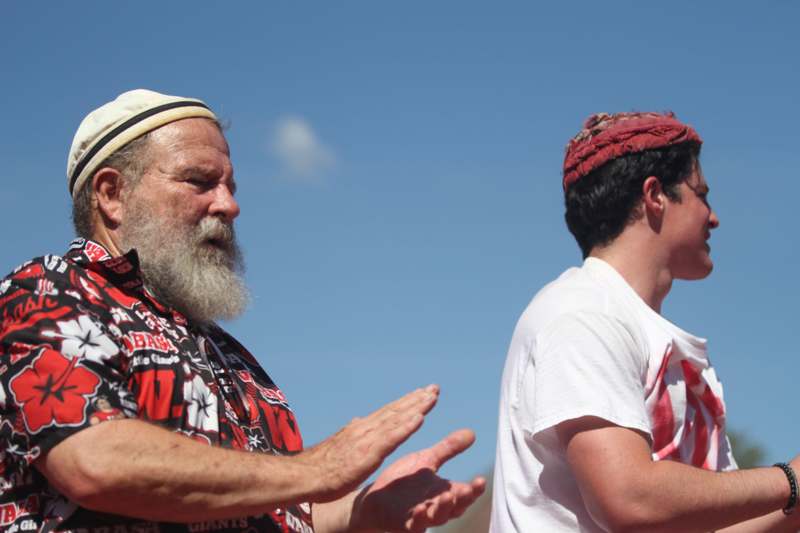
x: 672, y: 496
x: 133, y: 468
x: 625, y: 490
x: 775, y: 522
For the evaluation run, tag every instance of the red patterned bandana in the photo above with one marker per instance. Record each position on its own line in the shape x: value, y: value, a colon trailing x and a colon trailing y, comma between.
x: 605, y: 137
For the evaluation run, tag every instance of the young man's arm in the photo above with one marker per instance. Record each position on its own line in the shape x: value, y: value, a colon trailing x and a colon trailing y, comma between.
x: 625, y: 490
x: 775, y: 522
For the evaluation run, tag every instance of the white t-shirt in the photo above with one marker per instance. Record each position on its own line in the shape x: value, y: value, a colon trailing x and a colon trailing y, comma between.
x: 588, y: 345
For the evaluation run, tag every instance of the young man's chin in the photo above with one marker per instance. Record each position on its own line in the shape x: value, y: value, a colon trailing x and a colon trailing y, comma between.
x: 698, y: 272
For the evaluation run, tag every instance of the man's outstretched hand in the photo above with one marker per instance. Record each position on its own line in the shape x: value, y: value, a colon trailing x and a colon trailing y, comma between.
x: 340, y: 463
x: 409, y: 496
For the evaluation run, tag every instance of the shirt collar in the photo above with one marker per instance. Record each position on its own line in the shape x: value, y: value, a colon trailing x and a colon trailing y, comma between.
x: 122, y: 271
x: 600, y: 268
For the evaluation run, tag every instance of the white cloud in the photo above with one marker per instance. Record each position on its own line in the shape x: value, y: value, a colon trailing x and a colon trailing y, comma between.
x: 301, y: 154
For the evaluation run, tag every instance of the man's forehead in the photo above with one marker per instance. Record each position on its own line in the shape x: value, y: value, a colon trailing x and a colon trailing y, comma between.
x: 188, y: 130
x: 697, y: 175
x: 697, y: 181
x: 189, y: 135
x: 189, y: 150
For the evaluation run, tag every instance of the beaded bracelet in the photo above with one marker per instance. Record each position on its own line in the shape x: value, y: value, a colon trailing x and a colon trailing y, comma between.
x: 789, y: 471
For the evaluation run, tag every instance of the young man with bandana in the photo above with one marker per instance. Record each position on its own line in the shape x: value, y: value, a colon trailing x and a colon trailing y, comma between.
x: 124, y: 407
x: 611, y: 417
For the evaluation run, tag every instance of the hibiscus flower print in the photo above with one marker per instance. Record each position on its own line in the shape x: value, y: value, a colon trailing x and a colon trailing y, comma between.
x: 201, y: 409
x: 53, y: 391
x: 83, y: 338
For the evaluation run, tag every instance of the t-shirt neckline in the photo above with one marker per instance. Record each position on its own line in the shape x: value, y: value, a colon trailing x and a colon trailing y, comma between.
x: 597, y: 266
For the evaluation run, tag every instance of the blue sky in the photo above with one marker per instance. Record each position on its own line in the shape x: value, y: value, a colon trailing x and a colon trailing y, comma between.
x: 399, y: 174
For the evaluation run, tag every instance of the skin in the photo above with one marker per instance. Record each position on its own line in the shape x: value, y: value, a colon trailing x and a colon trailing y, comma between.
x: 623, y: 488
x: 190, y: 176
x: 687, y: 226
x: 166, y: 476
x: 674, y: 235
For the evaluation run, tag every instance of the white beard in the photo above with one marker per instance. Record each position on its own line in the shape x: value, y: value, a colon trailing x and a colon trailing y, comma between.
x: 197, y: 270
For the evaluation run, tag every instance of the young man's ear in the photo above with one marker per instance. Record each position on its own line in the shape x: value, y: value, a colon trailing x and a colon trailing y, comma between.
x: 654, y: 202
x: 107, y: 186
x: 653, y: 198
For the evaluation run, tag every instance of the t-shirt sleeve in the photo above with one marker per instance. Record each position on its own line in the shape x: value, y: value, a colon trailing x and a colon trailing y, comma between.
x: 61, y: 367
x: 586, y: 364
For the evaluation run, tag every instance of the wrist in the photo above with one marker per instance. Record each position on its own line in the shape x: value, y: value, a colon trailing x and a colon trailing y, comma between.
x: 791, y: 478
x: 362, y: 518
x: 345, y: 515
x: 310, y: 476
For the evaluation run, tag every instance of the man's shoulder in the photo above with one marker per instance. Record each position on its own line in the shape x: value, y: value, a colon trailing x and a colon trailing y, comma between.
x: 39, y: 267
x: 572, y: 292
x: 50, y: 266
x: 44, y: 282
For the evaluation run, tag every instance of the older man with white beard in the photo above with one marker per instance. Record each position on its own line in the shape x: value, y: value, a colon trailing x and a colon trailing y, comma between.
x: 124, y: 407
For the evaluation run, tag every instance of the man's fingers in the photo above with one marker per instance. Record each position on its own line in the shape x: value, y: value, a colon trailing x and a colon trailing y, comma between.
x: 478, y: 484
x: 379, y: 434
x: 436, y: 511
x: 358, y: 449
x: 450, y: 446
x: 441, y: 509
x: 393, y: 437
x: 446, y: 505
x: 466, y: 494
x: 396, y: 413
x: 420, y: 400
x: 416, y: 522
x: 423, y: 399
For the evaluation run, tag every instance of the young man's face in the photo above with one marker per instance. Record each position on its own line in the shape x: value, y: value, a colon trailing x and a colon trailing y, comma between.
x: 687, y: 227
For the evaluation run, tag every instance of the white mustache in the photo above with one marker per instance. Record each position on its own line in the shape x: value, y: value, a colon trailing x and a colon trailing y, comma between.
x: 212, y: 228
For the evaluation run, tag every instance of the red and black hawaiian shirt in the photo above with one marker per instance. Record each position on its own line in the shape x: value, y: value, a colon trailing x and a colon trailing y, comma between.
x: 82, y: 342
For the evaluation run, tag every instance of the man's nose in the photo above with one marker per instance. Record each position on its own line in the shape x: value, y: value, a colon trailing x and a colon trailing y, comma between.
x: 713, y: 220
x: 224, y: 204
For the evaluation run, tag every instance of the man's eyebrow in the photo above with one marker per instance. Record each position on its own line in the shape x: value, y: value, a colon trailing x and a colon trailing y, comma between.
x: 700, y: 188
x: 205, y: 172
x: 194, y: 170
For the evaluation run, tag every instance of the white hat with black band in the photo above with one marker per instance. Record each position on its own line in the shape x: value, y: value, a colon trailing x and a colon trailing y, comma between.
x: 113, y: 125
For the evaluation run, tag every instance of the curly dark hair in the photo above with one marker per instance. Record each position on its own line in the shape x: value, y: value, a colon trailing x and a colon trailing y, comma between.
x: 600, y: 204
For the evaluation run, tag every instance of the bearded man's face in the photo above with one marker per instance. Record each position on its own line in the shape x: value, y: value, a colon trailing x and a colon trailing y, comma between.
x: 179, y: 218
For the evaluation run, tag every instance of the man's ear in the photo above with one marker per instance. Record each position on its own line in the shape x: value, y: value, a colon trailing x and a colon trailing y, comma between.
x: 654, y: 201
x: 653, y: 198
x: 107, y: 186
